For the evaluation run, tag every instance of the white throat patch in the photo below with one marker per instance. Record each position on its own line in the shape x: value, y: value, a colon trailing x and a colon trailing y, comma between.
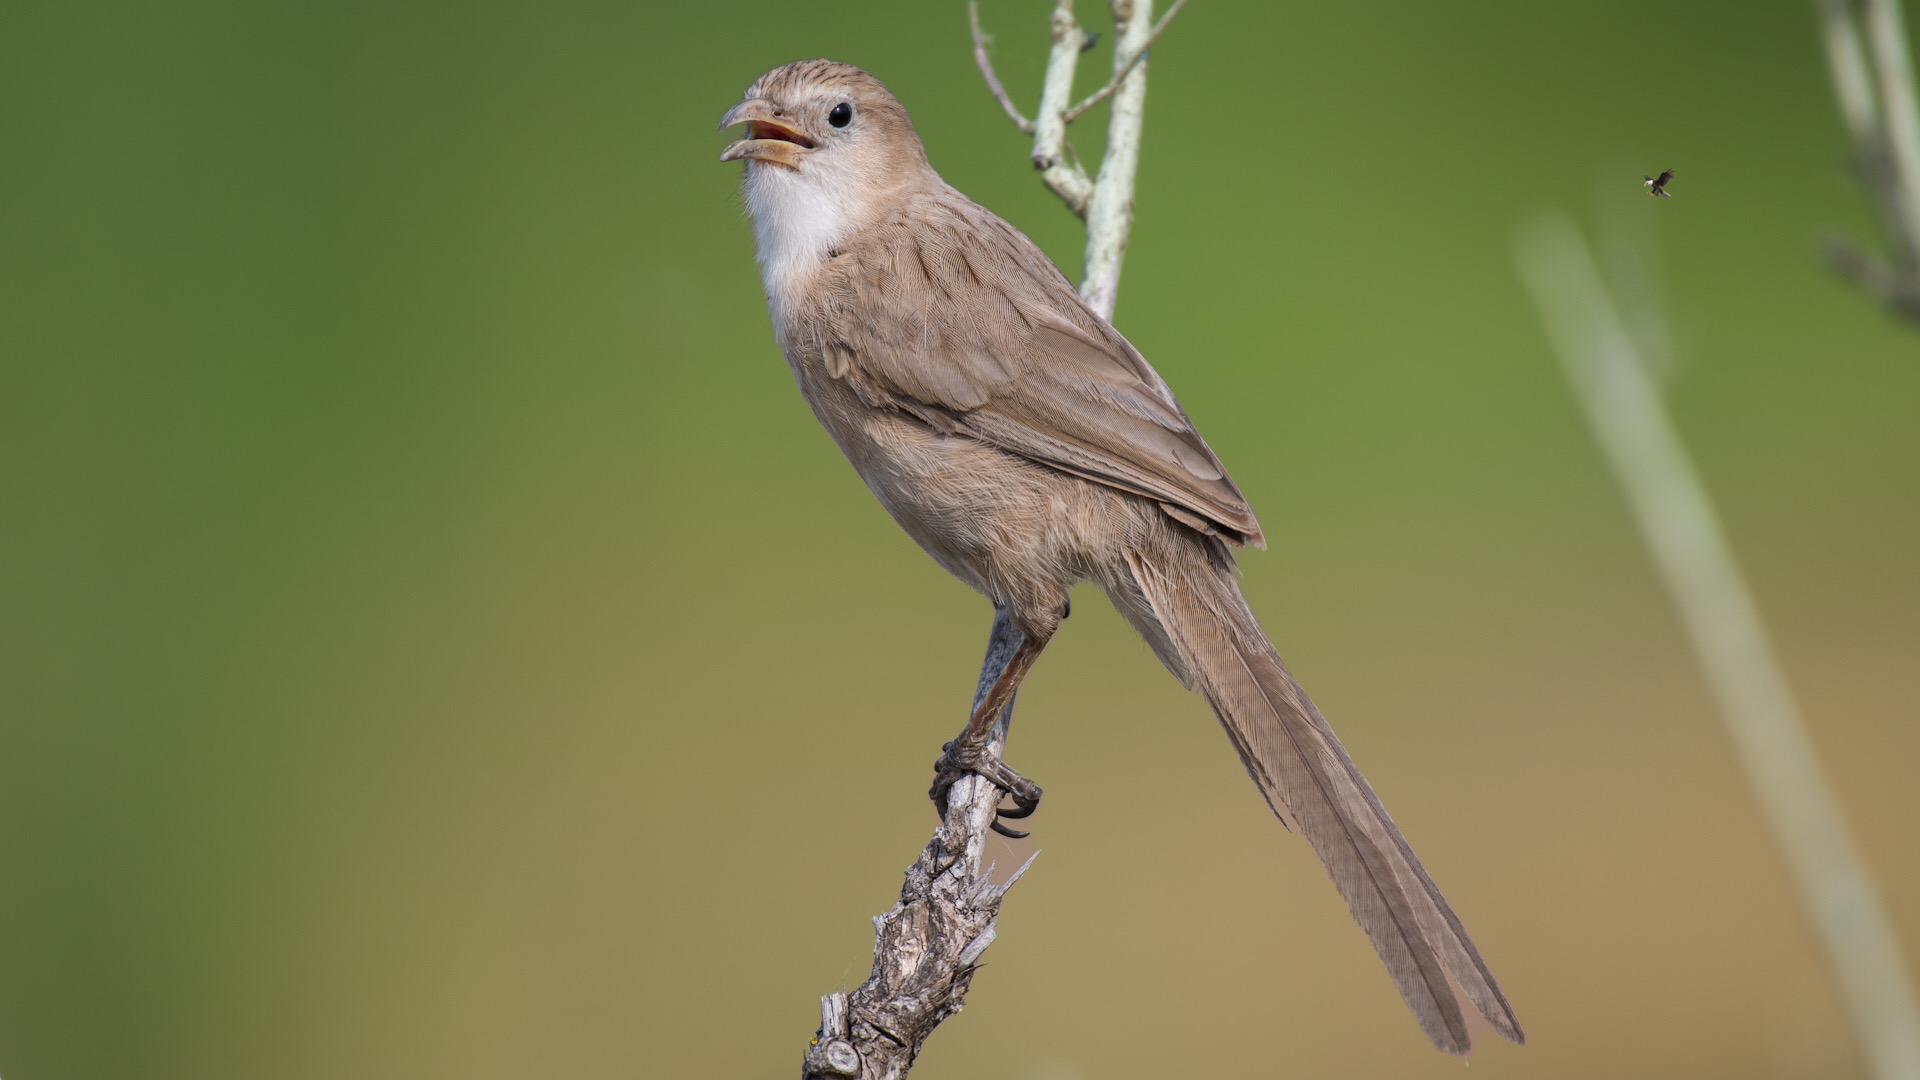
x: 798, y: 216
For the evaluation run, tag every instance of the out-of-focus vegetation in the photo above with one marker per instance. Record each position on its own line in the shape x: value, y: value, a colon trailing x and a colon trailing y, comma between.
x: 424, y: 598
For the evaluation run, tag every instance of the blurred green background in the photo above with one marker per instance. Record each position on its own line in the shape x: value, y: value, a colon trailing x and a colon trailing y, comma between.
x: 435, y: 639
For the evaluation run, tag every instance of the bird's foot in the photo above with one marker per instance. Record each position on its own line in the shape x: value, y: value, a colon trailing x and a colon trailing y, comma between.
x: 957, y: 761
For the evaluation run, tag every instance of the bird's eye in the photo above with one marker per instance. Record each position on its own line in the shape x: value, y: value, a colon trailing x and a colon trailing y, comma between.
x: 841, y: 116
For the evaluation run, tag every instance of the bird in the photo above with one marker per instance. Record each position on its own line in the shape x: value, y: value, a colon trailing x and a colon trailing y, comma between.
x: 1657, y: 186
x: 1027, y: 446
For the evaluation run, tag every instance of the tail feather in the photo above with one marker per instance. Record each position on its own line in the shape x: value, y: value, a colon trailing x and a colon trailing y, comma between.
x: 1314, y: 789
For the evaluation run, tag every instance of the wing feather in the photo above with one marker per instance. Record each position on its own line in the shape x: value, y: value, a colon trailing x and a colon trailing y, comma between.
x: 964, y: 323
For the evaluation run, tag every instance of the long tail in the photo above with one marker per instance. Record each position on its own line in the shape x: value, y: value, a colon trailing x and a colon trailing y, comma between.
x: 1314, y: 788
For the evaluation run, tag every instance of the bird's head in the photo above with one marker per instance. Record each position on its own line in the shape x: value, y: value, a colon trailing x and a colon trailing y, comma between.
x: 827, y: 148
x: 824, y: 124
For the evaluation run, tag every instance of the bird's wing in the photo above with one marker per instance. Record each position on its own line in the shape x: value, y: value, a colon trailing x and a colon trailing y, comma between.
x: 1665, y: 176
x: 950, y: 314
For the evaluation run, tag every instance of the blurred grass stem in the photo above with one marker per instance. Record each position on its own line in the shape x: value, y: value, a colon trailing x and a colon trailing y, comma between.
x: 1872, y: 72
x: 1900, y: 122
x: 1624, y: 407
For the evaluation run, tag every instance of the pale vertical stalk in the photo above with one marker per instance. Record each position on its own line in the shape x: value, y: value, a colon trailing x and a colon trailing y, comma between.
x: 1847, y: 63
x: 1050, y: 124
x: 1629, y: 261
x: 1678, y: 523
x: 1110, y: 211
x: 1887, y: 37
x: 1066, y: 179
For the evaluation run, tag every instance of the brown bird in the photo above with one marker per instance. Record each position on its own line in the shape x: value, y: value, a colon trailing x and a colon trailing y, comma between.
x: 1657, y: 187
x: 1027, y: 446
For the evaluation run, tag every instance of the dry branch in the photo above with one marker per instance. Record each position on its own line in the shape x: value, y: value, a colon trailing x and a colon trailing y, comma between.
x: 925, y: 951
x: 927, y: 947
x: 980, y: 57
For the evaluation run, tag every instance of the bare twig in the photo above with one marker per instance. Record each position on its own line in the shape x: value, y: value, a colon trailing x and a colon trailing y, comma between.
x: 1677, y: 520
x: 1104, y: 201
x: 1139, y: 54
x: 1071, y: 182
x: 980, y: 57
x: 1064, y: 177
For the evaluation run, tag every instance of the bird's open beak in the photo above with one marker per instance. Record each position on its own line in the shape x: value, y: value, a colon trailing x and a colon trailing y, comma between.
x: 770, y: 137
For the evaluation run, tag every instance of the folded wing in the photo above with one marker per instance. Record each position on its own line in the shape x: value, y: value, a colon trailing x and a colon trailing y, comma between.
x: 1008, y: 353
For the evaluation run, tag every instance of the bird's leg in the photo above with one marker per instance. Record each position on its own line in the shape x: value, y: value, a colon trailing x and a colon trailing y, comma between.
x: 978, y: 748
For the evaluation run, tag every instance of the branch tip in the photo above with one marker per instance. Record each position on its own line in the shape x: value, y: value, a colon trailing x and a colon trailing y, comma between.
x: 980, y: 42
x: 1133, y: 61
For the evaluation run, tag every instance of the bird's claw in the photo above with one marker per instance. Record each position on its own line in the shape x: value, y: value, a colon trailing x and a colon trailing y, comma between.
x: 1023, y: 806
x: 957, y: 761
